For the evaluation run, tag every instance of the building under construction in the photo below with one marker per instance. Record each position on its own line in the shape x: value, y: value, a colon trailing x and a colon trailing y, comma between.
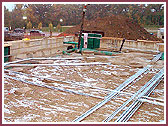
x: 45, y: 82
x: 90, y: 77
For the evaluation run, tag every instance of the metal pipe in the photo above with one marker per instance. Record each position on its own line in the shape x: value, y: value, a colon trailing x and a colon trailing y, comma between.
x: 129, y: 100
x: 52, y: 87
x: 157, y: 57
x: 153, y: 98
x: 152, y: 102
x: 111, y: 95
x: 72, y: 83
x: 5, y: 64
x: 60, y: 64
x: 53, y: 58
x: 43, y: 58
x: 153, y: 83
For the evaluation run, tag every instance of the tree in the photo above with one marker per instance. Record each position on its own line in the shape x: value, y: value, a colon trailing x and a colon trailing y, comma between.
x: 58, y: 27
x: 146, y: 14
x: 40, y: 13
x: 7, y: 17
x: 17, y: 16
x: 130, y: 12
x: 31, y: 16
x: 51, y: 29
x: 29, y: 25
x: 40, y: 26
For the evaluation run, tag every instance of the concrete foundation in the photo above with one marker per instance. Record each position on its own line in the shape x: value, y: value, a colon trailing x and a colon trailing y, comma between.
x: 48, y: 47
x: 36, y: 48
x: 115, y: 44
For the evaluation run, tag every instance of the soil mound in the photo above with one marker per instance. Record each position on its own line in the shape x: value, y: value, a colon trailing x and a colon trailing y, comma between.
x: 116, y: 26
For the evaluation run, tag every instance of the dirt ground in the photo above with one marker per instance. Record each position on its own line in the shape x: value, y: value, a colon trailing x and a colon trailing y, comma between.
x: 116, y: 26
x: 28, y: 103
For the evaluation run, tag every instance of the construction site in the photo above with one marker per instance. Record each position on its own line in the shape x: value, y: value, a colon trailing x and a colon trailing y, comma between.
x: 108, y: 70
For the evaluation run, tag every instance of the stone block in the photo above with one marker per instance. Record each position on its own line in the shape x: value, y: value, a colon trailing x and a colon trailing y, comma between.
x: 44, y: 46
x: 58, y: 44
x: 53, y: 40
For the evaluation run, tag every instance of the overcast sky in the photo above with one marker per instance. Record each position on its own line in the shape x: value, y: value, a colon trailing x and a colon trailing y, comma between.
x: 9, y: 6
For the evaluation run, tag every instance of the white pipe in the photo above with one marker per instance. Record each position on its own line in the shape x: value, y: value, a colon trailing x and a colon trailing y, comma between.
x: 153, y: 98
x: 5, y: 64
x: 58, y: 64
x: 73, y: 83
x: 53, y: 58
x: 152, y: 102
x: 43, y: 58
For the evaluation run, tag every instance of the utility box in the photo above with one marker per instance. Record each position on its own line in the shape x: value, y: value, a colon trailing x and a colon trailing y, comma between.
x: 90, y: 40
